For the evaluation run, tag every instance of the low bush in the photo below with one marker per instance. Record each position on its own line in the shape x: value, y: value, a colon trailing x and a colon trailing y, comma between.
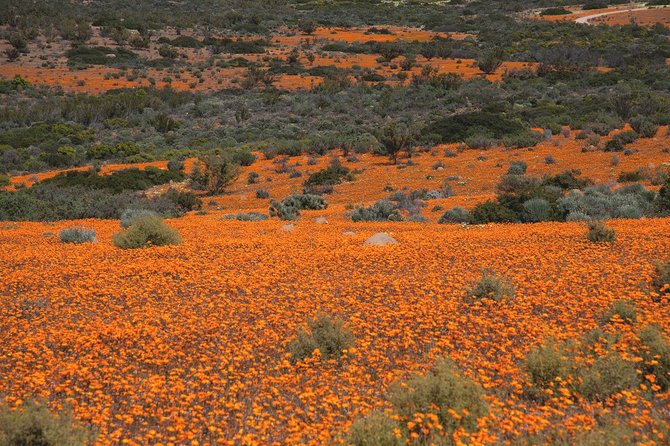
x: 607, y: 375
x: 34, y: 425
x: 624, y: 310
x: 327, y: 334
x: 537, y: 210
x: 517, y: 168
x: 383, y: 210
x: 251, y: 216
x: 456, y: 400
x: 77, y: 235
x: 146, y: 231
x: 599, y: 233
x: 491, y: 286
x: 492, y: 212
x: 262, y: 194
x: 333, y: 175
x: 455, y: 215
x: 130, y: 215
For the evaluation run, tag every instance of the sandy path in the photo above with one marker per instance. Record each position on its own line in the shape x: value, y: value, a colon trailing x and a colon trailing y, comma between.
x: 586, y: 19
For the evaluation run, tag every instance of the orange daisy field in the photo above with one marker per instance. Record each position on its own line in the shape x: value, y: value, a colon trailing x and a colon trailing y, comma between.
x: 188, y: 344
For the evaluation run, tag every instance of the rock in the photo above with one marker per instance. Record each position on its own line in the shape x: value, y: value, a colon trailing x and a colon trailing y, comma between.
x: 349, y: 233
x: 439, y: 169
x: 380, y: 239
x: 321, y: 221
x: 288, y: 227
x: 243, y: 197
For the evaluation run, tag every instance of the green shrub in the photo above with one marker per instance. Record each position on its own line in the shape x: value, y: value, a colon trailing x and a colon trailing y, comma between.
x: 327, y: 334
x: 599, y: 233
x: 458, y: 128
x: 656, y: 354
x: 383, y: 210
x: 493, y: 287
x: 77, y: 235
x: 624, y: 309
x: 457, y: 401
x: 33, y: 425
x: 4, y: 180
x: 146, y: 231
x: 455, y: 215
x: 83, y: 55
x: 118, y: 181
x: 375, y: 429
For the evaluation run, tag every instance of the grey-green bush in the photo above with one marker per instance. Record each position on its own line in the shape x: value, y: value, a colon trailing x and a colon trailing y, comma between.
x: 130, y: 215
x: 536, y: 210
x: 455, y: 215
x: 77, y: 235
x: 599, y: 233
x: 383, y: 210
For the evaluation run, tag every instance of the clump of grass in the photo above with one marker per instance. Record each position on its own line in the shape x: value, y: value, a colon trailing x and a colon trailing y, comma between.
x: 376, y: 429
x: 599, y: 233
x: 608, y: 375
x: 661, y: 280
x: 146, y: 231
x: 624, y: 309
x: 33, y: 425
x: 492, y: 286
x: 77, y: 235
x: 327, y: 334
x: 545, y: 365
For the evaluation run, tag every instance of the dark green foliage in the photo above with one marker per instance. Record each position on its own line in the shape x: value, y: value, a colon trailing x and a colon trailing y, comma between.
x: 35, y: 425
x: 48, y: 203
x: 262, y: 194
x: 458, y: 128
x: 118, y: 181
x: 383, y: 210
x: 395, y: 138
x: 492, y: 212
x: 251, y: 216
x: 327, y: 334
x: 77, y: 235
x: 555, y: 11
x: 662, y: 201
x: 146, y: 231
x: 333, y: 175
x: 83, y: 55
